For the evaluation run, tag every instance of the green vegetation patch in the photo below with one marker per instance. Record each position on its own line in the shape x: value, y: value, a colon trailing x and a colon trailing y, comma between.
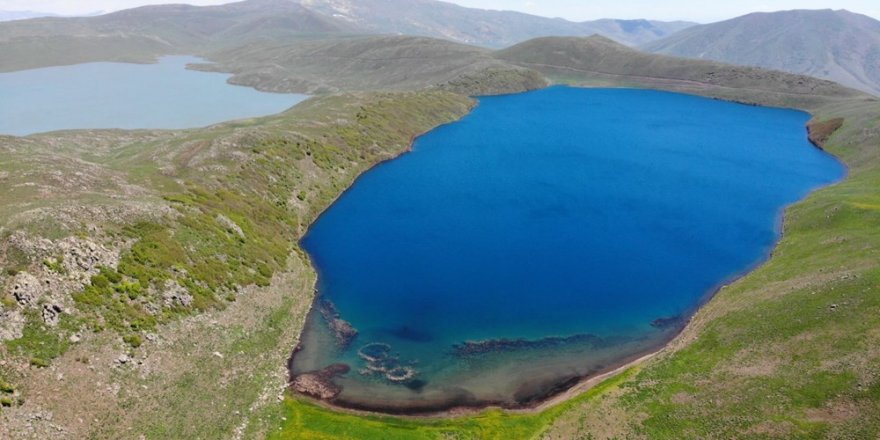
x: 41, y: 343
x: 301, y: 419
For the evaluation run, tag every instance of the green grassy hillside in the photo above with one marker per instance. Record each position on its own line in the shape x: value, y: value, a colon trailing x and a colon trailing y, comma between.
x: 372, y: 63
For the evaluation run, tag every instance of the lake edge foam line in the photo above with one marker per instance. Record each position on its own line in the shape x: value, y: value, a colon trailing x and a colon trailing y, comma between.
x: 580, y: 379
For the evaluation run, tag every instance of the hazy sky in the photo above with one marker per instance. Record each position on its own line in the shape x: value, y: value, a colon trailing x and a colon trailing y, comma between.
x: 694, y: 10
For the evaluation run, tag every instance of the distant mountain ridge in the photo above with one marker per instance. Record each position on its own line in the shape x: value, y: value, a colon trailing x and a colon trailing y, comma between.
x: 23, y: 15
x: 480, y: 27
x: 143, y: 33
x: 837, y: 45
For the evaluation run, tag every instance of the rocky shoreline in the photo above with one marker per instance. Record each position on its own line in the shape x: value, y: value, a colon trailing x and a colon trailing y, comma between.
x: 319, y: 384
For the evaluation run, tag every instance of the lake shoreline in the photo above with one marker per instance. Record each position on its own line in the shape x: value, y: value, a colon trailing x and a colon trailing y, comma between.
x: 571, y: 388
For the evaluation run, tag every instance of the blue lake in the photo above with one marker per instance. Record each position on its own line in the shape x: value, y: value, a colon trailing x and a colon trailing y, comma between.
x: 545, y: 237
x: 120, y: 95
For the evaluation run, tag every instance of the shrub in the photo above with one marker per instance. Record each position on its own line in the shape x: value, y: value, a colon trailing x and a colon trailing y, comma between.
x: 6, y: 387
x: 134, y: 341
x: 55, y: 265
x: 39, y: 362
x: 100, y: 281
x: 8, y: 301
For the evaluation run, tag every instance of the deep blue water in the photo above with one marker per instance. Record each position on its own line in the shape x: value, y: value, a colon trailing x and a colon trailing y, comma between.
x: 558, y: 213
x: 120, y: 95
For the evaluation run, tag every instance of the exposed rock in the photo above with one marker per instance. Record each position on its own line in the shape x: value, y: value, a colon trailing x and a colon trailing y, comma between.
x: 83, y: 258
x: 33, y: 246
x: 176, y: 295
x: 820, y: 131
x: 229, y: 224
x: 11, y: 324
x: 26, y: 289
x: 52, y: 314
x: 319, y: 384
x: 57, y: 270
x: 312, y: 384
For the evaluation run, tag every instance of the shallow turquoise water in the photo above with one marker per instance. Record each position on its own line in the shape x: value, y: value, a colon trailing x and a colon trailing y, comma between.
x: 120, y: 95
x: 563, y: 230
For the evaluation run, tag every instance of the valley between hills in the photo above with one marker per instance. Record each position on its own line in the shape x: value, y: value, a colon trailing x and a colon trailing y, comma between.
x: 154, y: 286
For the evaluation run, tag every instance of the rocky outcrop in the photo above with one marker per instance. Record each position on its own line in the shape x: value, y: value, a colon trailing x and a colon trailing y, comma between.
x: 56, y: 269
x: 175, y: 295
x: 26, y: 289
x: 229, y: 225
x: 11, y: 324
x: 820, y: 131
x: 83, y: 258
x: 319, y: 384
x: 51, y: 314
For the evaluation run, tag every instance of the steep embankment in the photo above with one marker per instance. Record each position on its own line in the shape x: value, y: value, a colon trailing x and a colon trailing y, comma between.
x: 837, y: 45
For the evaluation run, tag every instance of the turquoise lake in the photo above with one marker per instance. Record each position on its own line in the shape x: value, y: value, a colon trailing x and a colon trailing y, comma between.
x: 130, y: 96
x: 546, y: 237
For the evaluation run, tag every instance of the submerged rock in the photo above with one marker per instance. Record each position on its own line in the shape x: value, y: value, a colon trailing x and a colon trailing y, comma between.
x: 474, y: 348
x: 342, y: 329
x: 319, y: 384
x: 667, y: 322
x: 400, y: 374
x: 378, y: 359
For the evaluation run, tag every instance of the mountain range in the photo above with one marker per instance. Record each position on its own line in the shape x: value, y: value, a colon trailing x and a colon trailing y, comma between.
x: 186, y: 26
x: 838, y: 45
x: 23, y: 15
x: 481, y: 27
